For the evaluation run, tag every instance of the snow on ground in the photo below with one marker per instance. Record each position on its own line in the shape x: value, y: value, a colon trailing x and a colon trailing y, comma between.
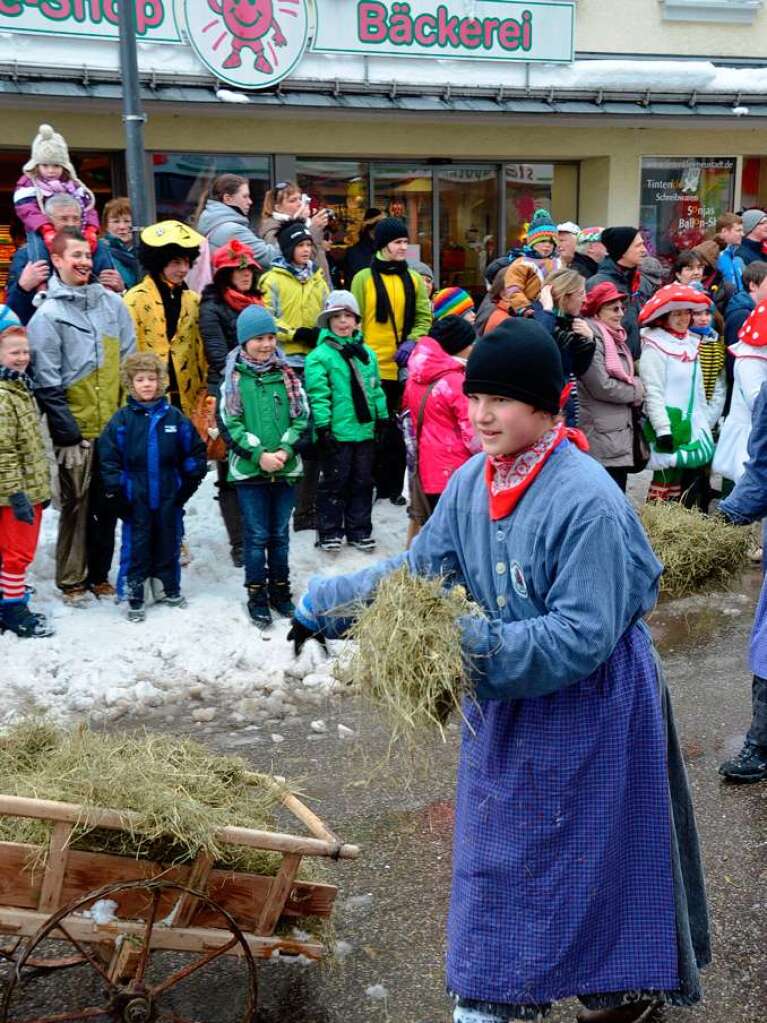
x: 100, y: 666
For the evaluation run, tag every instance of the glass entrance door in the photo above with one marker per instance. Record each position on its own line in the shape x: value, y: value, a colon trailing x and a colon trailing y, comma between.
x: 405, y: 191
x: 468, y: 224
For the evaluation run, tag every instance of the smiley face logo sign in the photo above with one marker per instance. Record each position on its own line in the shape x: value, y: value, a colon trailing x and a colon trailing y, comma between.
x: 250, y: 43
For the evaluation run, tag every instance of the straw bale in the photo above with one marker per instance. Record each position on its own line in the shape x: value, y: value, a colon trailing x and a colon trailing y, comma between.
x: 698, y: 551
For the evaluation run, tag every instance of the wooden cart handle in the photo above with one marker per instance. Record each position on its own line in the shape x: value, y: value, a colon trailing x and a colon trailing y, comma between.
x: 115, y: 820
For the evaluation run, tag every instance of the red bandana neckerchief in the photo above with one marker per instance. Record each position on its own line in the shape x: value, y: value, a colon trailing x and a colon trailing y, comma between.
x: 509, y: 476
x: 239, y: 300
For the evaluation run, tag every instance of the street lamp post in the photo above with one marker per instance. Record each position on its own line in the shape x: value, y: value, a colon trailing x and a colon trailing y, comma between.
x: 133, y: 116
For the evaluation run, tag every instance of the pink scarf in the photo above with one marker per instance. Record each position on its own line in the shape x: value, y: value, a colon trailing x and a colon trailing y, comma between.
x: 615, y: 345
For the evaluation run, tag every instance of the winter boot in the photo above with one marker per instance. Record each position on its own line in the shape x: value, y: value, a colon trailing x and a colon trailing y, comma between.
x: 230, y: 513
x: 258, y: 605
x: 136, y: 609
x: 16, y: 617
x: 279, y: 597
x: 749, y: 765
x: 366, y: 544
x: 638, y: 1012
x: 176, y: 600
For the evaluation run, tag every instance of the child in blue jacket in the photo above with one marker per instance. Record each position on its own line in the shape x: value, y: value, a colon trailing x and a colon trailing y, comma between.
x: 151, y: 461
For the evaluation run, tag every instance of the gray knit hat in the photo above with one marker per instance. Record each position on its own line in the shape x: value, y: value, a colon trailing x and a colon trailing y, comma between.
x: 752, y: 219
x: 338, y: 302
x: 423, y: 269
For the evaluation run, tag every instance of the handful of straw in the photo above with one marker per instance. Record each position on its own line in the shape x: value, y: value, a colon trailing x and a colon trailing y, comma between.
x: 408, y: 659
x: 180, y: 791
x: 697, y: 550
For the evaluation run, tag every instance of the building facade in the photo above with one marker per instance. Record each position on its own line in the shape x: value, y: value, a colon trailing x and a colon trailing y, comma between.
x: 625, y: 111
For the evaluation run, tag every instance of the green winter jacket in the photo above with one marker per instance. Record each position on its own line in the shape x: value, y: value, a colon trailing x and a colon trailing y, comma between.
x: 265, y: 424
x: 23, y: 465
x: 327, y: 378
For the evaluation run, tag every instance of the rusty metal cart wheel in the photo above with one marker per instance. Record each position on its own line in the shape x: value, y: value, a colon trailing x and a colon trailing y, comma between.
x: 128, y: 995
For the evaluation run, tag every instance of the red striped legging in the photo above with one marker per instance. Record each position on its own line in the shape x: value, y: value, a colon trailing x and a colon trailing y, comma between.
x: 18, y: 543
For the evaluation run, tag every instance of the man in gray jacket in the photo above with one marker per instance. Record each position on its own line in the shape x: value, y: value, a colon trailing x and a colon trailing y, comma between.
x: 79, y: 336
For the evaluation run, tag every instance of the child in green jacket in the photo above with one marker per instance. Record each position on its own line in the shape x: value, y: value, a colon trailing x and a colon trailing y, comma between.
x: 262, y: 415
x: 348, y: 403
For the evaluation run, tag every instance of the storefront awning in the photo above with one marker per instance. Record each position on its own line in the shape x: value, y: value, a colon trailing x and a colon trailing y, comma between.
x: 360, y: 96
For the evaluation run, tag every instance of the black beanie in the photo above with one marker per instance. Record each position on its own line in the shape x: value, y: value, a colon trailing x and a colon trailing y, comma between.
x: 520, y: 360
x: 617, y: 239
x: 454, y: 333
x: 388, y: 230
x: 290, y: 235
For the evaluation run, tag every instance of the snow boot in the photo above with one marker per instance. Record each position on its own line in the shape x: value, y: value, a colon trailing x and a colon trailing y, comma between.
x: 331, y: 544
x: 279, y: 597
x: 366, y: 544
x: 749, y: 765
x: 136, y: 612
x: 230, y: 513
x: 638, y: 1012
x: 258, y: 605
x: 16, y: 617
x: 176, y: 600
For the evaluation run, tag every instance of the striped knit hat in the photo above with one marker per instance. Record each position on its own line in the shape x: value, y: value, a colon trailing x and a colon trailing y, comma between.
x: 542, y: 228
x: 589, y: 235
x: 452, y: 302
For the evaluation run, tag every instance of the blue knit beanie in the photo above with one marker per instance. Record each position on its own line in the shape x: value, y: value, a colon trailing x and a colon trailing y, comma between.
x: 8, y: 318
x: 254, y: 321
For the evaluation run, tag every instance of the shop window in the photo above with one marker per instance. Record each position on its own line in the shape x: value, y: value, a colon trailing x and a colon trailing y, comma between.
x: 754, y: 182
x: 181, y: 179
x: 468, y: 224
x: 681, y: 198
x: 405, y: 191
x: 342, y: 188
x: 529, y: 187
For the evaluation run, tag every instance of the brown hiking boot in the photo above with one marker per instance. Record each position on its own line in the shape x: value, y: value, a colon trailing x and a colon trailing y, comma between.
x: 77, y: 596
x: 105, y: 589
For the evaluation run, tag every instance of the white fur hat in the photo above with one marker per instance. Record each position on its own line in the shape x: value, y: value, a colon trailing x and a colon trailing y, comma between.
x: 49, y: 147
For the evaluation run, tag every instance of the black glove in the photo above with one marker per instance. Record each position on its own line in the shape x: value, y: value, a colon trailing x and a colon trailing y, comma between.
x: 22, y: 508
x: 120, y: 505
x: 327, y: 445
x: 299, y: 634
x: 185, y: 491
x: 306, y: 336
x: 381, y: 431
x: 665, y: 443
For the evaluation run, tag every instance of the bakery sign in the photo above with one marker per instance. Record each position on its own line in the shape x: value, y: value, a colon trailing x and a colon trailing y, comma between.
x: 479, y: 30
x: 255, y: 43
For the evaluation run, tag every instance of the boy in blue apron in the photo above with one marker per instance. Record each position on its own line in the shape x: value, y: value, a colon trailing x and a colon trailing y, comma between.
x: 576, y: 869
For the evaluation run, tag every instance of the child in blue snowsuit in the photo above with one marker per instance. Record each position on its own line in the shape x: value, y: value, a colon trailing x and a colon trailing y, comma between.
x: 151, y: 461
x: 571, y: 873
x: 748, y: 503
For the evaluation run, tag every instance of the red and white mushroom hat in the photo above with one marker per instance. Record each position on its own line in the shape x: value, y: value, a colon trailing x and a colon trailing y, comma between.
x: 754, y: 330
x: 671, y: 297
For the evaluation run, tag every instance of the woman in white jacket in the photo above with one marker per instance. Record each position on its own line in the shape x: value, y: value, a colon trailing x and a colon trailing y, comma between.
x: 678, y: 428
x: 750, y: 353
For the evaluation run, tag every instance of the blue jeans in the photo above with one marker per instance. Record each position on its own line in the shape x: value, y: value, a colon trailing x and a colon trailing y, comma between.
x: 266, y: 510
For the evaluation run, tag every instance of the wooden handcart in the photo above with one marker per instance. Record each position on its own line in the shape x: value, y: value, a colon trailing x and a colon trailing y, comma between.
x: 195, y: 909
